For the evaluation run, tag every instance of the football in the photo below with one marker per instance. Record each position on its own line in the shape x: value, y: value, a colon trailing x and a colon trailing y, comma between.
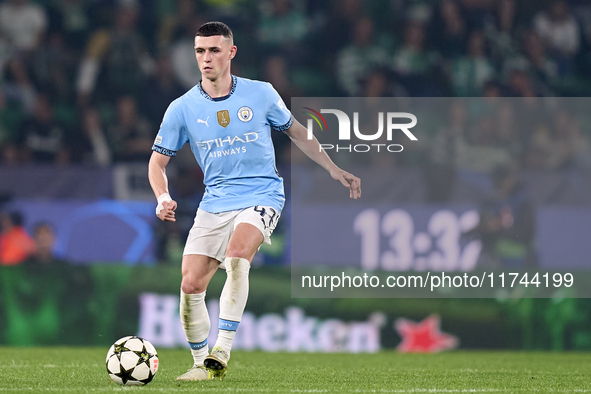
x: 132, y: 361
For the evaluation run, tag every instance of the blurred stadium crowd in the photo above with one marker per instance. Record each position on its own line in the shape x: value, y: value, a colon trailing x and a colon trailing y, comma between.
x: 87, y: 81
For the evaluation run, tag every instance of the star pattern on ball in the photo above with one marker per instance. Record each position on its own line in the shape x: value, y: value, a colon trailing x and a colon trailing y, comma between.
x: 132, y: 361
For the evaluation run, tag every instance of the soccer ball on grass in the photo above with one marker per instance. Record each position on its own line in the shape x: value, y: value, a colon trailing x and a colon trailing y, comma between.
x: 132, y: 361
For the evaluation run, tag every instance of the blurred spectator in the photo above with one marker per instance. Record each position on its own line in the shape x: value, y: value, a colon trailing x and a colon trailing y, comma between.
x: 377, y: 84
x: 96, y: 149
x: 420, y: 11
x: 450, y: 142
x: 275, y: 72
x: 483, y: 154
x: 18, y: 86
x: 118, y: 56
x: 183, y: 55
x: 469, y: 73
x: 449, y: 29
x: 164, y: 88
x: 582, y: 10
x: 44, y: 238
x: 10, y: 154
x: 132, y: 135
x: 492, y: 89
x: 578, y: 145
x: 543, y: 68
x: 6, y: 53
x: 413, y: 64
x: 11, y: 113
x: 411, y: 58
x: 340, y: 24
x: 477, y: 10
x: 446, y: 150
x: 43, y: 139
x: 560, y: 145
x: 357, y: 59
x: 380, y: 82
x: 15, y: 244
x: 542, y: 71
x: 282, y: 28
x: 23, y: 23
x: 500, y: 29
x: 74, y: 21
x: 559, y: 30
x: 520, y: 84
x: 508, y: 136
x: 52, y: 67
x: 182, y: 19
x: 507, y: 223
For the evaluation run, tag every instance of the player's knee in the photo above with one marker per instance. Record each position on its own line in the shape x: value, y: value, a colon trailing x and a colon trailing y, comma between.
x: 238, y: 251
x: 193, y: 285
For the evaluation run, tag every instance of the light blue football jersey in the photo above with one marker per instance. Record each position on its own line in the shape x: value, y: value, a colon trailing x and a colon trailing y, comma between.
x: 231, y: 139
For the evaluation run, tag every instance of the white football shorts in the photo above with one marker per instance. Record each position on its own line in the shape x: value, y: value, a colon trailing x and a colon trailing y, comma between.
x: 211, y: 232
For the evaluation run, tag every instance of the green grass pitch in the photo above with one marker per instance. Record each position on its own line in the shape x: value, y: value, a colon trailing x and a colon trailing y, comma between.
x: 82, y: 370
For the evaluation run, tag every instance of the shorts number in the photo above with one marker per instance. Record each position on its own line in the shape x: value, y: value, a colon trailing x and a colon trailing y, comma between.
x: 269, y: 219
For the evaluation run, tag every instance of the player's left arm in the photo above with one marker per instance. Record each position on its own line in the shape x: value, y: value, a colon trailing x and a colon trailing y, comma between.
x: 298, y: 134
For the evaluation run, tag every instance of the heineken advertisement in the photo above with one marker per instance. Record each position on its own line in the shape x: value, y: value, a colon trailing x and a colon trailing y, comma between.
x: 93, y: 305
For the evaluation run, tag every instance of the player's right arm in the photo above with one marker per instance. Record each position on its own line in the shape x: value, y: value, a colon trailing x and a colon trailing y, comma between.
x: 169, y: 140
x: 159, y: 182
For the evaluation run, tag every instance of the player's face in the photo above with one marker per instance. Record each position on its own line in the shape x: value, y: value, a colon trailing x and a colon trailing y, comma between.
x: 213, y: 55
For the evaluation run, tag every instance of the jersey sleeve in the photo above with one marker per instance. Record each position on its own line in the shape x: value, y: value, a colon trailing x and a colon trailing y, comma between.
x: 172, y: 135
x: 278, y: 115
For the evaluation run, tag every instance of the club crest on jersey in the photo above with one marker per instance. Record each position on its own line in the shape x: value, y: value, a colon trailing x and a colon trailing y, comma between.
x: 245, y: 114
x: 224, y: 118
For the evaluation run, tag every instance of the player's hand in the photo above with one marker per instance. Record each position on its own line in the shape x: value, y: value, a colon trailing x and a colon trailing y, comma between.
x: 167, y: 214
x: 348, y: 180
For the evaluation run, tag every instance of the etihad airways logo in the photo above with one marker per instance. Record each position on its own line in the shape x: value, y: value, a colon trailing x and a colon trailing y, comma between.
x: 227, y: 144
x: 345, y: 130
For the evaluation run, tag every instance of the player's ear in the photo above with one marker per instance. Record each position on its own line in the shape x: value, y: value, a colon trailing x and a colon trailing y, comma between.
x: 233, y: 51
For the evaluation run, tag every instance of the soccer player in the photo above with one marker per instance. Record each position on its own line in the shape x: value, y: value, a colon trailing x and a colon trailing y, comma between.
x: 227, y: 121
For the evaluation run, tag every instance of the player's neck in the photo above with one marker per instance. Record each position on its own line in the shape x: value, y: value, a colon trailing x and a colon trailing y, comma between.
x: 219, y: 88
